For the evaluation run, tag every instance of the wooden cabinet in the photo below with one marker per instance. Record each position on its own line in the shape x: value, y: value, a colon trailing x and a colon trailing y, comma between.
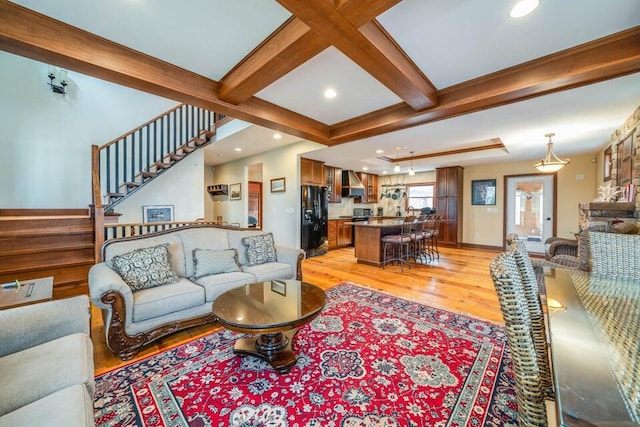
x: 333, y: 183
x: 449, y: 182
x: 332, y: 234
x: 312, y: 172
x: 370, y: 182
x: 345, y: 233
x: 340, y: 234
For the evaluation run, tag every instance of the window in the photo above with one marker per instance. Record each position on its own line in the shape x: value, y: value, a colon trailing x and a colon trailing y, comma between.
x: 420, y: 195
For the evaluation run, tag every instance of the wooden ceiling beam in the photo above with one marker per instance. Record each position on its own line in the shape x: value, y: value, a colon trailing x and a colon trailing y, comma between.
x: 364, y: 48
x: 39, y: 37
x: 603, y: 59
x: 287, y: 48
x: 495, y: 144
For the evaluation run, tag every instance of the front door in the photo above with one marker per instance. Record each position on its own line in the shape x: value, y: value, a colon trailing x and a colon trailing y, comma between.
x: 530, y: 209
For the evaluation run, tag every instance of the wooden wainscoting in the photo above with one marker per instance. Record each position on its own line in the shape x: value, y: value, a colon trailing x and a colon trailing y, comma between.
x: 47, y: 242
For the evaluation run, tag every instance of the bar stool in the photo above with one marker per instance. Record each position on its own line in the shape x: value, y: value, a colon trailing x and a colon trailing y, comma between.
x: 418, y: 236
x: 399, y: 244
x: 432, y: 231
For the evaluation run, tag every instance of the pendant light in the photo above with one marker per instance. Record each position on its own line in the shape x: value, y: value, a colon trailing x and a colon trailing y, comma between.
x: 411, y: 171
x: 396, y: 168
x: 551, y: 163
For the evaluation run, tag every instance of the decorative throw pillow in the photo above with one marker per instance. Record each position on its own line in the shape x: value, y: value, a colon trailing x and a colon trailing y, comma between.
x: 145, y: 268
x: 260, y: 249
x: 209, y: 261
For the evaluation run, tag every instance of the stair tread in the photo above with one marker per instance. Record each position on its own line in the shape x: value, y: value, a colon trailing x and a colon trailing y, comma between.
x: 208, y: 133
x: 199, y: 141
x: 163, y: 165
x: 115, y: 194
x: 45, y: 266
x: 174, y: 156
x: 132, y: 184
x: 79, y: 229
x: 148, y: 174
x: 33, y: 250
x: 186, y: 148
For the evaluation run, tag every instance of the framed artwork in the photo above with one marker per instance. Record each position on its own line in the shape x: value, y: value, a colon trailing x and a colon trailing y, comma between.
x: 607, y: 164
x: 624, y: 150
x: 157, y: 213
x: 278, y: 185
x: 235, y: 191
x: 279, y: 287
x: 483, y: 192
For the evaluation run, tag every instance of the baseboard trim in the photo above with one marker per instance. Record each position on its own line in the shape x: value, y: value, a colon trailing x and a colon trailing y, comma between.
x: 483, y: 247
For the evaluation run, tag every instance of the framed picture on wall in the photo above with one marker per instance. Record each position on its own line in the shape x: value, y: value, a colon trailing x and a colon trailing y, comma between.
x: 157, y: 213
x: 278, y: 185
x: 235, y: 191
x: 483, y: 192
x: 606, y: 176
x: 624, y: 150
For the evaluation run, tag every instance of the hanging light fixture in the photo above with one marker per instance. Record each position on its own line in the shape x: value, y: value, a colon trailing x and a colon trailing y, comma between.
x: 396, y: 168
x: 411, y: 171
x: 551, y: 163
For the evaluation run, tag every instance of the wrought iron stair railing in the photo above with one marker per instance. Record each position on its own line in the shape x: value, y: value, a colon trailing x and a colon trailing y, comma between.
x: 134, y: 159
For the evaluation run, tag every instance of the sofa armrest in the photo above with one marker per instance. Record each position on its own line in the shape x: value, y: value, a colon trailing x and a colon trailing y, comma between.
x: 103, y: 279
x: 292, y: 256
x: 31, y: 325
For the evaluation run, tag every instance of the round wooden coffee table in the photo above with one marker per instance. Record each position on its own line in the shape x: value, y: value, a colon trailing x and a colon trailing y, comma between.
x: 272, y: 311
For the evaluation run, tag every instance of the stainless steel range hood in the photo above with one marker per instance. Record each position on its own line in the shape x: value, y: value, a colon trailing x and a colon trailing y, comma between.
x: 351, y: 184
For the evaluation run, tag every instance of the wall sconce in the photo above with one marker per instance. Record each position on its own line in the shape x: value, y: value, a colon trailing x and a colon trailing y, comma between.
x: 56, y: 73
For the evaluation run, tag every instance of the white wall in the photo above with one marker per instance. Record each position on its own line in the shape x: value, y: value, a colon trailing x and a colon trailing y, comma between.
x: 281, y: 211
x: 46, y: 139
x: 181, y: 186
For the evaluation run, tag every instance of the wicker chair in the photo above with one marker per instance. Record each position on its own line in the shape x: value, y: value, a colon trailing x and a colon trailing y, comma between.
x: 532, y: 296
x: 615, y: 255
x: 572, y: 254
x: 506, y: 278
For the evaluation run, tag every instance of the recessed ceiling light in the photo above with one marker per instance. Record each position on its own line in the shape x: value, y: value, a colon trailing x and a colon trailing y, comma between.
x: 277, y: 136
x: 237, y: 149
x: 379, y: 151
x: 330, y: 93
x: 364, y: 168
x: 384, y: 172
x: 523, y: 8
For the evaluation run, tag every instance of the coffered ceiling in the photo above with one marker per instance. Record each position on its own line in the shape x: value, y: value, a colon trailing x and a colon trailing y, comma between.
x: 456, y: 82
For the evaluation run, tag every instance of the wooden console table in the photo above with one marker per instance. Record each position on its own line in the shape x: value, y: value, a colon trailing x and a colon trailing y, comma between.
x: 30, y: 292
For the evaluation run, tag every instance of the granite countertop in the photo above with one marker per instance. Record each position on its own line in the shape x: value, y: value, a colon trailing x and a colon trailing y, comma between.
x: 379, y: 222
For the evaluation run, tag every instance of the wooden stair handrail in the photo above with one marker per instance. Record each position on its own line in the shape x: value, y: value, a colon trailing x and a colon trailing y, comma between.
x: 142, y: 126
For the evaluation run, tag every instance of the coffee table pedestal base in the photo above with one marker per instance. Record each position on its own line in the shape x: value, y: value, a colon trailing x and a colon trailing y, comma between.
x: 275, y: 349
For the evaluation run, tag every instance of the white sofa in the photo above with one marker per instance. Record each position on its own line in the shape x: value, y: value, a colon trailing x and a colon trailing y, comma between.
x: 46, y: 364
x: 134, y: 318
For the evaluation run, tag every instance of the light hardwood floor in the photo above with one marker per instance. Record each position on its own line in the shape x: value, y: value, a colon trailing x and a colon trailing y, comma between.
x: 459, y: 281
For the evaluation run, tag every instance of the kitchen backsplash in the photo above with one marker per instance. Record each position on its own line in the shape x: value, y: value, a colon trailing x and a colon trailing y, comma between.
x: 345, y: 208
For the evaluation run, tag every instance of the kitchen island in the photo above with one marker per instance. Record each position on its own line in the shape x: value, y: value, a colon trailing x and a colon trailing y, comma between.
x: 367, y: 243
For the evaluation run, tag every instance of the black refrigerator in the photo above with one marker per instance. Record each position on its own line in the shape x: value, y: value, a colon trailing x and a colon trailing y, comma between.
x: 314, y: 213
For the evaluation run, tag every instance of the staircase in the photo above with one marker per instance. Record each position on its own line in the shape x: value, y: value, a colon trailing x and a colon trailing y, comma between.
x: 123, y: 166
x: 36, y: 243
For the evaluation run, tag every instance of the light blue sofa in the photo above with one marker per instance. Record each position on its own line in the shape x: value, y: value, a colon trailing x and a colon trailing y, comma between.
x: 133, y: 319
x: 46, y: 364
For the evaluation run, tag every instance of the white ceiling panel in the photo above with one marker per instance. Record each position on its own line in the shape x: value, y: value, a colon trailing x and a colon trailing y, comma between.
x: 302, y: 90
x: 207, y: 37
x: 455, y: 41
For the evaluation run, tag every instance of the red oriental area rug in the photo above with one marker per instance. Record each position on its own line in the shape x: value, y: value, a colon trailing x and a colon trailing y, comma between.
x: 369, y: 359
